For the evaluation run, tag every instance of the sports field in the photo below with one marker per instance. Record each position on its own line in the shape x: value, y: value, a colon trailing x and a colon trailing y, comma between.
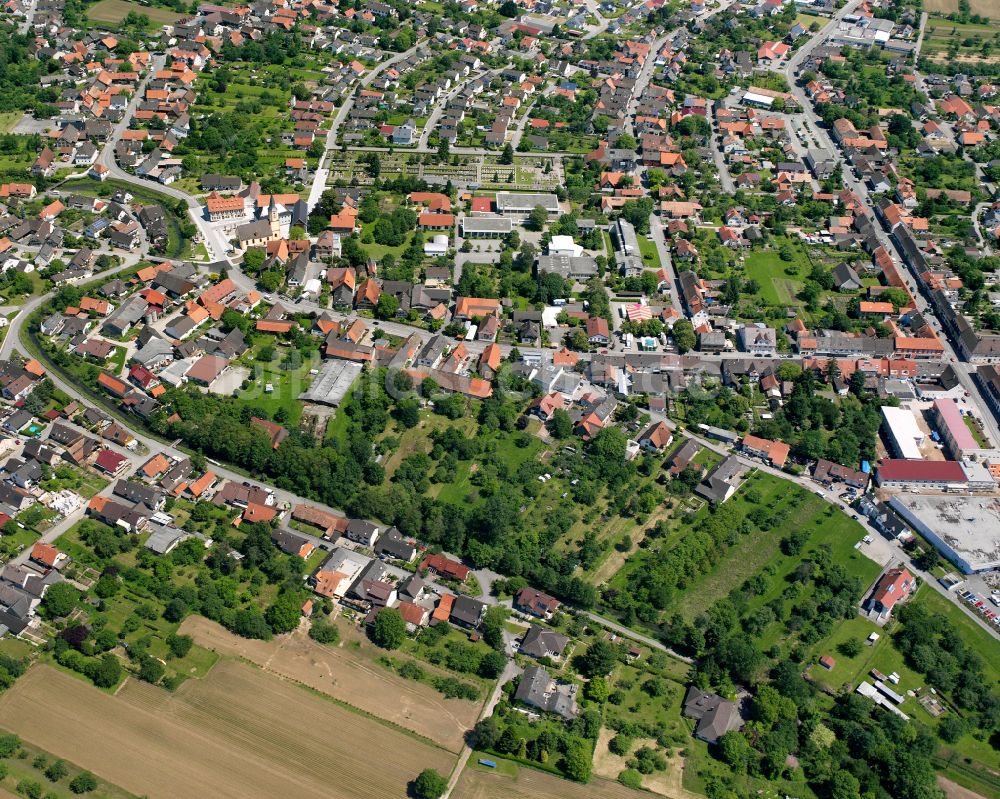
x: 238, y: 733
x: 114, y: 11
x: 350, y: 675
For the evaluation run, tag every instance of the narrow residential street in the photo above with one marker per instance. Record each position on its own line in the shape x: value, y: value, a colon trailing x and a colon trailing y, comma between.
x: 666, y: 260
x: 963, y: 369
x: 625, y: 632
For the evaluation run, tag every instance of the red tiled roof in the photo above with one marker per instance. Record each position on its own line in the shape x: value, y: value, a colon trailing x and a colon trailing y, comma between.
x: 896, y: 469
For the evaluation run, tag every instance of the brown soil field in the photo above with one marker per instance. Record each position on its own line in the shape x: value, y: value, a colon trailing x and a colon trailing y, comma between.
x: 608, y: 764
x: 237, y: 733
x: 955, y: 791
x: 116, y: 10
x: 985, y: 8
x: 350, y: 677
x: 531, y: 784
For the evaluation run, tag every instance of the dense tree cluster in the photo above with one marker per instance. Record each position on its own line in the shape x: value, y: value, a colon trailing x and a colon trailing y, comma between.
x: 934, y: 647
x: 566, y: 747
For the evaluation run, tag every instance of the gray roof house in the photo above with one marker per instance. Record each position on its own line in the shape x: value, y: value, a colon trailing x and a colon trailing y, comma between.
x: 845, y: 278
x: 715, y: 716
x: 392, y: 544
x: 539, y: 642
x: 466, y: 611
x: 538, y: 689
x: 721, y: 483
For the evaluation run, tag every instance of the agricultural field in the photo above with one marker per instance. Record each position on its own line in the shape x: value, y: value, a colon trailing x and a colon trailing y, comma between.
x: 240, y: 732
x: 478, y: 782
x: 349, y: 673
x: 984, y: 8
x: 31, y: 765
x: 114, y: 11
x: 944, y: 39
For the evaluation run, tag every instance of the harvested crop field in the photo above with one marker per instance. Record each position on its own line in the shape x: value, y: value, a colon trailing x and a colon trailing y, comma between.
x: 350, y: 677
x: 237, y: 733
x: 475, y: 783
x: 984, y: 8
x: 115, y: 11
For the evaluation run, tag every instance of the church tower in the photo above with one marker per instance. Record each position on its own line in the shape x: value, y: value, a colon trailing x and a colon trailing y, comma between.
x: 272, y: 217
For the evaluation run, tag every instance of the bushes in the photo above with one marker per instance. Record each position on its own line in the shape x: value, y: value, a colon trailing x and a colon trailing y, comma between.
x: 620, y: 745
x: 179, y: 645
x: 104, y: 672
x: 84, y: 782
x: 9, y: 744
x: 630, y: 778
x: 492, y: 665
x: 455, y: 689
x: 150, y: 670
x: 324, y: 632
x: 411, y: 671
x: 389, y: 630
x: 647, y: 761
x: 30, y: 789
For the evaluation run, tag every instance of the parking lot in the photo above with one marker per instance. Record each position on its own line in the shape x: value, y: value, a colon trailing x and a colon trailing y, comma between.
x: 985, y: 602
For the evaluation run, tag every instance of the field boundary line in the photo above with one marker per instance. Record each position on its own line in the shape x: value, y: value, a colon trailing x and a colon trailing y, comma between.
x: 340, y: 702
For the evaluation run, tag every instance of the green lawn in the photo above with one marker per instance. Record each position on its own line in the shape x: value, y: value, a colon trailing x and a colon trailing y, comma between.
x: 84, y: 483
x: 650, y: 255
x: 977, y: 432
x: 779, y: 280
x: 114, y: 11
x: 379, y: 251
x: 751, y: 553
x: 8, y: 119
x: 287, y: 384
x: 639, y: 707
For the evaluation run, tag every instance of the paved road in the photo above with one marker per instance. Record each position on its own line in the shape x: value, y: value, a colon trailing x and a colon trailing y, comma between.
x: 602, y: 23
x: 822, y: 135
x: 643, y: 80
x: 320, y: 176
x: 215, y: 244
x: 920, y: 35
x: 441, y: 105
x: 13, y: 338
x: 666, y: 261
x: 29, y: 18
x: 625, y: 632
x: 721, y: 168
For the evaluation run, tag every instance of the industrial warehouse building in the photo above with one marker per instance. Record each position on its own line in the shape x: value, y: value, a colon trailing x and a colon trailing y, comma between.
x: 902, y: 431
x: 965, y: 530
